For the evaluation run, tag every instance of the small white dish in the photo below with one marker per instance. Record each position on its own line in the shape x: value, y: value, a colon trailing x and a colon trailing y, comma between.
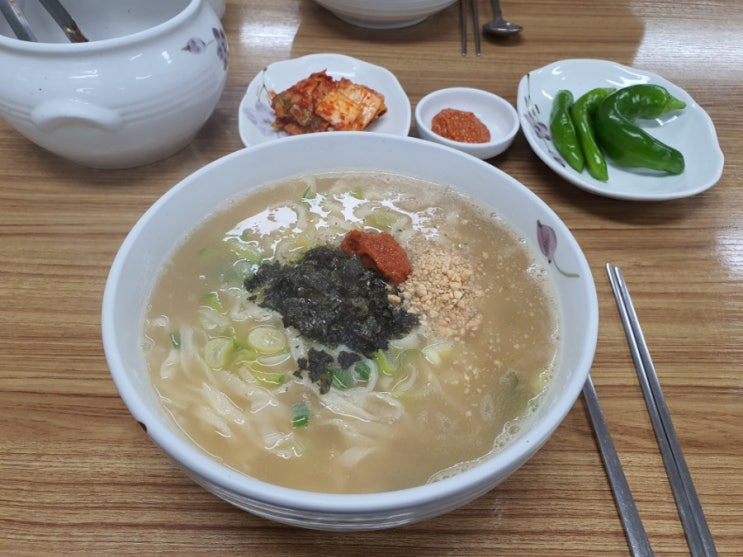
x: 498, y: 115
x: 256, y: 115
x: 691, y: 131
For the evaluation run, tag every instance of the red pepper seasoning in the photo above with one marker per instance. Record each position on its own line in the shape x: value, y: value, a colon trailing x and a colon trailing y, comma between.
x: 379, y: 252
x: 460, y: 125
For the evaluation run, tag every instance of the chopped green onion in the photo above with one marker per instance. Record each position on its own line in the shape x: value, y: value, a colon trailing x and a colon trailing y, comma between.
x: 212, y: 300
x: 267, y: 339
x: 248, y: 251
x: 385, y: 365
x: 293, y: 248
x: 243, y: 354
x: 437, y: 352
x: 218, y: 351
x: 383, y: 220
x: 308, y: 193
x: 300, y: 415
x: 363, y: 371
x: 267, y: 378
x: 273, y: 360
x: 341, y: 378
x: 175, y: 340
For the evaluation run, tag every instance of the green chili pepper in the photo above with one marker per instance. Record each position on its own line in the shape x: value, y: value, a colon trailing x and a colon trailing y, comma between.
x: 582, y: 112
x: 562, y: 130
x: 623, y: 141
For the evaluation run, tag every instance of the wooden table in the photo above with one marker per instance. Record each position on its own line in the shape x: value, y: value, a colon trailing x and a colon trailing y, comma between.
x: 79, y: 477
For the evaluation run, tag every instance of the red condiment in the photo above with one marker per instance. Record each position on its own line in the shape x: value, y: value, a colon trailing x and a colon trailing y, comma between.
x: 379, y: 252
x: 460, y: 125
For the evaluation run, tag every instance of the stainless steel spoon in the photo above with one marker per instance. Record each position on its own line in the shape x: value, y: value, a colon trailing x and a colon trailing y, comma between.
x: 499, y: 26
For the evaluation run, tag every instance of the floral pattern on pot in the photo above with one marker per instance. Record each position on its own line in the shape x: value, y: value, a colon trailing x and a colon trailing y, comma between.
x: 197, y: 45
x: 547, y: 240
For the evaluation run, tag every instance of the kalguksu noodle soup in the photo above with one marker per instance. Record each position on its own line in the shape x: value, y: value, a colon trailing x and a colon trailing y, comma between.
x: 328, y: 403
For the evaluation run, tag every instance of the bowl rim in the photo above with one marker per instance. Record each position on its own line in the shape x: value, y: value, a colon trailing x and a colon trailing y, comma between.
x: 187, y: 12
x: 244, y: 485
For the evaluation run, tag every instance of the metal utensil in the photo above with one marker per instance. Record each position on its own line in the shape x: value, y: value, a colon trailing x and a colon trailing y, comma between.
x: 698, y: 535
x: 17, y: 20
x: 499, y: 26
x: 20, y: 26
x: 475, y: 25
x: 463, y: 25
x: 64, y: 20
x: 636, y: 536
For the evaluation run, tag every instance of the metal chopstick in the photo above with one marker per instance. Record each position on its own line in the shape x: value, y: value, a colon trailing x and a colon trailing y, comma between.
x: 698, y: 535
x: 476, y: 26
x: 636, y: 536
x: 17, y: 20
x: 463, y: 25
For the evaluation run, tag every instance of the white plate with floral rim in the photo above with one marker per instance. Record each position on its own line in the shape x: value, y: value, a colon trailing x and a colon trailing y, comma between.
x: 256, y: 115
x: 691, y: 131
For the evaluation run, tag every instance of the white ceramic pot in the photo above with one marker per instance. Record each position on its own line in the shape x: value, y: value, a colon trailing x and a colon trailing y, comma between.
x: 139, y: 90
x: 218, y: 6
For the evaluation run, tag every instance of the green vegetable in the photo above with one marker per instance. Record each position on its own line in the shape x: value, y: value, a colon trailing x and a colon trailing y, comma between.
x: 245, y: 250
x: 384, y: 220
x: 562, y: 129
x: 218, y: 352
x: 309, y: 193
x: 363, y: 371
x: 341, y: 378
x: 267, y: 378
x: 300, y: 415
x: 175, y: 340
x: 384, y: 364
x: 582, y: 112
x: 623, y: 141
x: 211, y: 300
x: 267, y: 339
x: 243, y: 354
x: 437, y: 353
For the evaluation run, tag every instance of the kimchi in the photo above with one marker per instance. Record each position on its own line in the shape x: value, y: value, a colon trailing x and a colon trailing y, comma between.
x: 320, y: 103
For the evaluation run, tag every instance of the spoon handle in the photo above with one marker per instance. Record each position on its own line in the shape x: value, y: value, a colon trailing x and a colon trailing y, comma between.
x: 497, y: 13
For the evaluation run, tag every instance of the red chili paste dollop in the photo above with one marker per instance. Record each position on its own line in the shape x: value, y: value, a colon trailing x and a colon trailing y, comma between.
x: 460, y: 125
x: 379, y: 252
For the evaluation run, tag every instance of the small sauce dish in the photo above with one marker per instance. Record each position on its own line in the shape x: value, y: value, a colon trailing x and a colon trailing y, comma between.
x: 498, y: 115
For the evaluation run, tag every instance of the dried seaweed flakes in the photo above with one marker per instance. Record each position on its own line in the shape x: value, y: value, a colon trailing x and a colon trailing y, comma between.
x: 330, y: 297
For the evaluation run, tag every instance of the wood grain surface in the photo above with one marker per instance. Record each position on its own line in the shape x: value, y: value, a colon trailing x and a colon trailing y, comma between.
x: 79, y: 477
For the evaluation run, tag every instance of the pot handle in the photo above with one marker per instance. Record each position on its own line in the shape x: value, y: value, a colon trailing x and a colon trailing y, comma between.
x: 51, y: 115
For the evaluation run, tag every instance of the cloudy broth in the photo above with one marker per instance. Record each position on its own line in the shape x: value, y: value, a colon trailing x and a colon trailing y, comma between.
x: 449, y: 392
